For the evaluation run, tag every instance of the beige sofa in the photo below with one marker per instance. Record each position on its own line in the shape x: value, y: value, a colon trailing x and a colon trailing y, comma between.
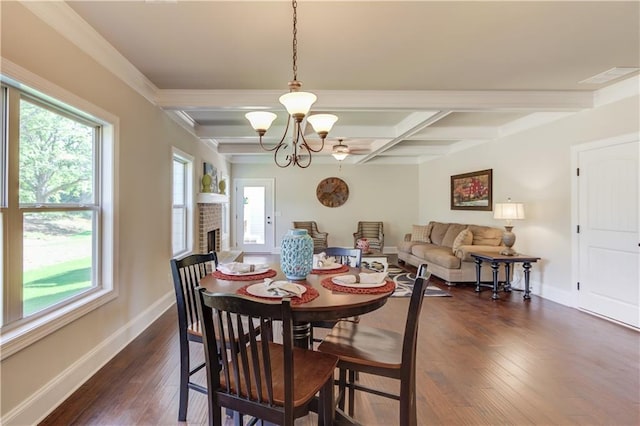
x: 446, y: 248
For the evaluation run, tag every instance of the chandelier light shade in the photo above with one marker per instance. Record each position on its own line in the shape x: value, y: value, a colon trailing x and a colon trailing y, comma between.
x: 298, y: 104
x: 260, y: 120
x: 322, y: 123
x: 508, y: 211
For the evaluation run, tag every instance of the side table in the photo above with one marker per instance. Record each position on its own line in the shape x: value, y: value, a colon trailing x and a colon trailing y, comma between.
x: 495, y: 260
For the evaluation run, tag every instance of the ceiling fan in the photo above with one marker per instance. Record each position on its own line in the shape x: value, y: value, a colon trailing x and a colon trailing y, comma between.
x: 340, y: 151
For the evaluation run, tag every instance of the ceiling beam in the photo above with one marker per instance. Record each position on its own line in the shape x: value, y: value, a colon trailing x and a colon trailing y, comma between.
x: 409, y: 126
x: 387, y: 100
x: 456, y: 133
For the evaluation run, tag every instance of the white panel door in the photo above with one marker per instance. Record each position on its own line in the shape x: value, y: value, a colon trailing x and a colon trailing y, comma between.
x: 608, y: 239
x: 254, y: 215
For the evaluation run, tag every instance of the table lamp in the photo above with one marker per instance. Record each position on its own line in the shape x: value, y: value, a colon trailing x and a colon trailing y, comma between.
x: 508, y: 211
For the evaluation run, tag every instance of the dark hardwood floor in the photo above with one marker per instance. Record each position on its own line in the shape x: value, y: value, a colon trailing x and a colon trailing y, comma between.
x: 480, y: 362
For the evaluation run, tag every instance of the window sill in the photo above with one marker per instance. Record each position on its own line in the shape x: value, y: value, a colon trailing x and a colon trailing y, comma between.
x: 16, y: 337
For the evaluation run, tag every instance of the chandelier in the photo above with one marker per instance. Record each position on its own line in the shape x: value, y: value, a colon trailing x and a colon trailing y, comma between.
x: 298, y: 104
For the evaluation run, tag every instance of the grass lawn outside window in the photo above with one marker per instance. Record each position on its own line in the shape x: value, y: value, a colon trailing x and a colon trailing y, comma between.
x: 57, y: 258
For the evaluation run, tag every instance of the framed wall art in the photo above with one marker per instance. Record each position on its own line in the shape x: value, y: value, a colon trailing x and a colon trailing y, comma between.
x: 472, y: 191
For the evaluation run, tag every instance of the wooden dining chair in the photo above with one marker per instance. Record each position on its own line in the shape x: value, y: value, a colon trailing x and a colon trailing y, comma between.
x: 267, y: 380
x: 375, y: 351
x: 345, y: 256
x: 187, y: 273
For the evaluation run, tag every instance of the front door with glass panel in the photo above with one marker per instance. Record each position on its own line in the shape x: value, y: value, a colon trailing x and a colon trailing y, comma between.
x: 254, y: 215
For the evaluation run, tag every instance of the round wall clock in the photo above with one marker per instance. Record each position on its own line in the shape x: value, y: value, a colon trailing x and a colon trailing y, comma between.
x: 332, y: 192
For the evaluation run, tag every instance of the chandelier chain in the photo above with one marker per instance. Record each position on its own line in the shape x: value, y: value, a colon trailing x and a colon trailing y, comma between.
x: 295, y: 40
x: 298, y: 151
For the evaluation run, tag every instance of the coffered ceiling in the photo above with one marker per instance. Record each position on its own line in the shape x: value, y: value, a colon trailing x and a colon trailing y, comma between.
x: 410, y: 80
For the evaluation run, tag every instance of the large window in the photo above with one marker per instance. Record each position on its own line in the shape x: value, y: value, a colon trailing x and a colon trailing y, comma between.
x: 57, y: 229
x: 182, y: 218
x: 57, y: 203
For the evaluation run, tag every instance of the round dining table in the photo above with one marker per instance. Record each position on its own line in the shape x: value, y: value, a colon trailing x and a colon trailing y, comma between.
x: 329, y: 305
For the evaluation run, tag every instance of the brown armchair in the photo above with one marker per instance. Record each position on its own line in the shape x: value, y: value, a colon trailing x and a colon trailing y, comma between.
x: 372, y: 231
x: 319, y: 238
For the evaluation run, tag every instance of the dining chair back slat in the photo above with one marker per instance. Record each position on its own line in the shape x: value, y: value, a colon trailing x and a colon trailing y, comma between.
x: 256, y: 376
x: 359, y: 350
x: 345, y: 256
x: 187, y: 273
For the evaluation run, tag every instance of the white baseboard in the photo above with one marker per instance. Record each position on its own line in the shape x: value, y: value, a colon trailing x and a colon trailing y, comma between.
x: 554, y: 294
x: 35, y: 408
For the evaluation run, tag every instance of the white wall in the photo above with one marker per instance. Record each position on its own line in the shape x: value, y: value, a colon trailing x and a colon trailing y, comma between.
x: 36, y: 379
x: 376, y: 193
x: 533, y: 167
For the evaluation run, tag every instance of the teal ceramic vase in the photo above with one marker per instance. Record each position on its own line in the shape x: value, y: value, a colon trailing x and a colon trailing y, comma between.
x: 296, y: 254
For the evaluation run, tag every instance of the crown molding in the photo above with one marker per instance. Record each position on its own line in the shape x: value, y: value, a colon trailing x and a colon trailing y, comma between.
x: 69, y: 24
x: 616, y: 92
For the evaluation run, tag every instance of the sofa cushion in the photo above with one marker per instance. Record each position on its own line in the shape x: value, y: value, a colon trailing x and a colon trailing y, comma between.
x: 406, y: 246
x: 486, y: 236
x: 451, y: 234
x: 438, y: 230
x: 465, y: 237
x: 438, y: 255
x: 421, y: 233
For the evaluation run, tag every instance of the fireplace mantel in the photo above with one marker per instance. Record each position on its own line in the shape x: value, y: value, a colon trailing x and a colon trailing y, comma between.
x: 211, y: 198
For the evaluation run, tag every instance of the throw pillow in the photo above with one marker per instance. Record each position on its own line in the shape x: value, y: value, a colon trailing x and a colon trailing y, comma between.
x: 464, y: 238
x: 420, y: 233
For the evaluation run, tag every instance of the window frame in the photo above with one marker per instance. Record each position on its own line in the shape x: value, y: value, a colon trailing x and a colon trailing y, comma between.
x: 16, y: 332
x: 188, y: 207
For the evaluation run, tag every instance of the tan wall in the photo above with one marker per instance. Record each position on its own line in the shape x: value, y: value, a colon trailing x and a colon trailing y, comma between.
x: 533, y: 167
x: 143, y: 213
x: 376, y: 193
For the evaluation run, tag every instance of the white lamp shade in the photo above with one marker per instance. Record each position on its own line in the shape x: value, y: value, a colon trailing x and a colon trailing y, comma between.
x: 260, y: 120
x: 322, y: 122
x: 340, y: 152
x: 508, y: 211
x: 340, y: 155
x: 298, y: 102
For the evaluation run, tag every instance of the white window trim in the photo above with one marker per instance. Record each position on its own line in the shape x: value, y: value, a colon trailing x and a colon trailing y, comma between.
x: 189, y: 215
x: 20, y: 334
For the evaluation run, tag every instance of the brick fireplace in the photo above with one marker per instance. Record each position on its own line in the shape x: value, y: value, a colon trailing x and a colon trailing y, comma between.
x: 210, y: 223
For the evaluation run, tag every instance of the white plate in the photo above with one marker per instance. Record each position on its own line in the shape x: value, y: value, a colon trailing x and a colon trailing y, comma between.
x: 260, y: 290
x: 336, y: 280
x: 329, y: 267
x: 256, y: 272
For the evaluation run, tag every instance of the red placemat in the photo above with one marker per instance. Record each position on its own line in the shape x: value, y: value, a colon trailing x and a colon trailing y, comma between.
x: 388, y: 287
x: 343, y: 268
x: 270, y: 273
x: 307, y: 296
